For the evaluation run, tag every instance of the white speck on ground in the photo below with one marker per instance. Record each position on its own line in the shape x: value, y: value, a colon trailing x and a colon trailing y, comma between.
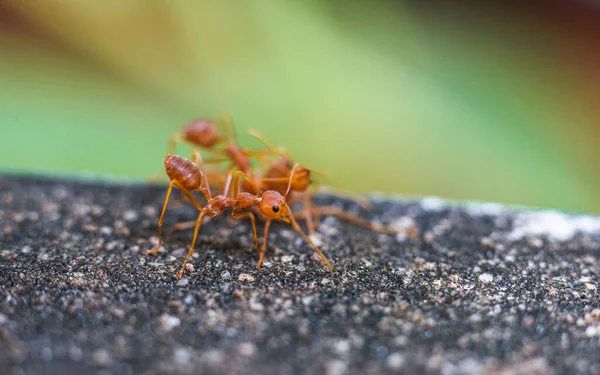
x: 403, y: 225
x: 316, y: 239
x: 433, y: 204
x: 395, y: 361
x: 336, y: 367
x: 342, y: 346
x: 213, y: 356
x: 553, y: 224
x: 485, y: 209
x: 246, y: 278
x: 169, y: 322
x: 591, y: 331
x: 101, y: 358
x: 486, y: 278
x: 130, y: 215
x: 247, y: 349
x: 182, y: 356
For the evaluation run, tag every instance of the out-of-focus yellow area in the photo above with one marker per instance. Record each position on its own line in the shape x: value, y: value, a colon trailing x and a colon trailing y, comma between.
x: 471, y: 101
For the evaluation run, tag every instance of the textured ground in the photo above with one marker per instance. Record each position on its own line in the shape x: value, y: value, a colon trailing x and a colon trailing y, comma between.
x: 479, y: 290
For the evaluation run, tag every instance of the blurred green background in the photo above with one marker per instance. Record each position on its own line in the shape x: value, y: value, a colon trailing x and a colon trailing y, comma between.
x: 463, y: 100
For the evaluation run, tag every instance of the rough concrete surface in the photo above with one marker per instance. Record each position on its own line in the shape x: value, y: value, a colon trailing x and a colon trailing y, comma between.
x: 481, y: 289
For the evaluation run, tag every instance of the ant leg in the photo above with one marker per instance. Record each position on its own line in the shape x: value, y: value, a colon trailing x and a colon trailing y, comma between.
x: 354, y: 219
x: 191, y: 251
x: 236, y: 185
x: 263, y: 153
x: 188, y: 224
x: 309, y: 216
x: 160, y: 221
x: 355, y: 197
x: 263, y: 249
x: 215, y: 160
x: 197, y: 158
x: 207, y: 195
x: 190, y: 197
x: 307, y: 239
x: 228, y: 183
x: 249, y: 215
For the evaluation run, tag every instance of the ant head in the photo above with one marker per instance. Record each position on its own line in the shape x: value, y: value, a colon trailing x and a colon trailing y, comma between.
x: 202, y: 132
x: 274, y: 205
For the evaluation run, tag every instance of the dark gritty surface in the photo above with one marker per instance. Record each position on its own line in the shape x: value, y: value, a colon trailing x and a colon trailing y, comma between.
x: 79, y: 296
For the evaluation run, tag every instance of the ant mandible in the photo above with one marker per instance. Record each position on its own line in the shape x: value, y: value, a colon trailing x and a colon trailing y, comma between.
x: 188, y: 176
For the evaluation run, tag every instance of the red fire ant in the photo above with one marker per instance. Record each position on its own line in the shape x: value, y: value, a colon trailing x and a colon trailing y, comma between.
x: 205, y: 134
x: 277, y: 176
x: 188, y: 176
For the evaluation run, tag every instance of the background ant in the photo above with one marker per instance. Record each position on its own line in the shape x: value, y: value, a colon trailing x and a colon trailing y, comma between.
x: 205, y: 134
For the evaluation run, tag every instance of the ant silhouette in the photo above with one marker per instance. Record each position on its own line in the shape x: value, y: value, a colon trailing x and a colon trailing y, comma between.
x: 188, y: 176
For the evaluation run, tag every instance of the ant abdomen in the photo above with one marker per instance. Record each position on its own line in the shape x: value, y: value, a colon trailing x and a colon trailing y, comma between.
x: 183, y: 171
x: 202, y: 132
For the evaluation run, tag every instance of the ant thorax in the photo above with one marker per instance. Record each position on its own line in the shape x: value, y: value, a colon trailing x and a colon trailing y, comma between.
x: 217, y: 205
x: 246, y: 200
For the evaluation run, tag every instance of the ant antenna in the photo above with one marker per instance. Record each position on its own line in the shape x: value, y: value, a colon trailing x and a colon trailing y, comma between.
x: 290, y: 181
x: 229, y: 128
x: 282, y: 151
x: 325, y: 174
x: 307, y: 239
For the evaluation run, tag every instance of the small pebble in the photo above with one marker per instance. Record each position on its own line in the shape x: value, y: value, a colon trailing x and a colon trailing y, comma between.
x: 336, y: 367
x: 169, y: 322
x: 101, y: 358
x: 395, y: 361
x: 182, y: 356
x: 486, y: 278
x: 246, y: 278
x: 342, y: 346
x: 247, y: 349
x: 130, y: 215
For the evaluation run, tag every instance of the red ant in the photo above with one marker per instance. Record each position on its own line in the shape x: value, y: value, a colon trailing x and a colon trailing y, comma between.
x: 277, y: 176
x: 188, y: 176
x: 205, y: 134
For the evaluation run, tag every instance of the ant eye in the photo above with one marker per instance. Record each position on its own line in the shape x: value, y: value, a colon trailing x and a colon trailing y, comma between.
x: 275, y: 208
